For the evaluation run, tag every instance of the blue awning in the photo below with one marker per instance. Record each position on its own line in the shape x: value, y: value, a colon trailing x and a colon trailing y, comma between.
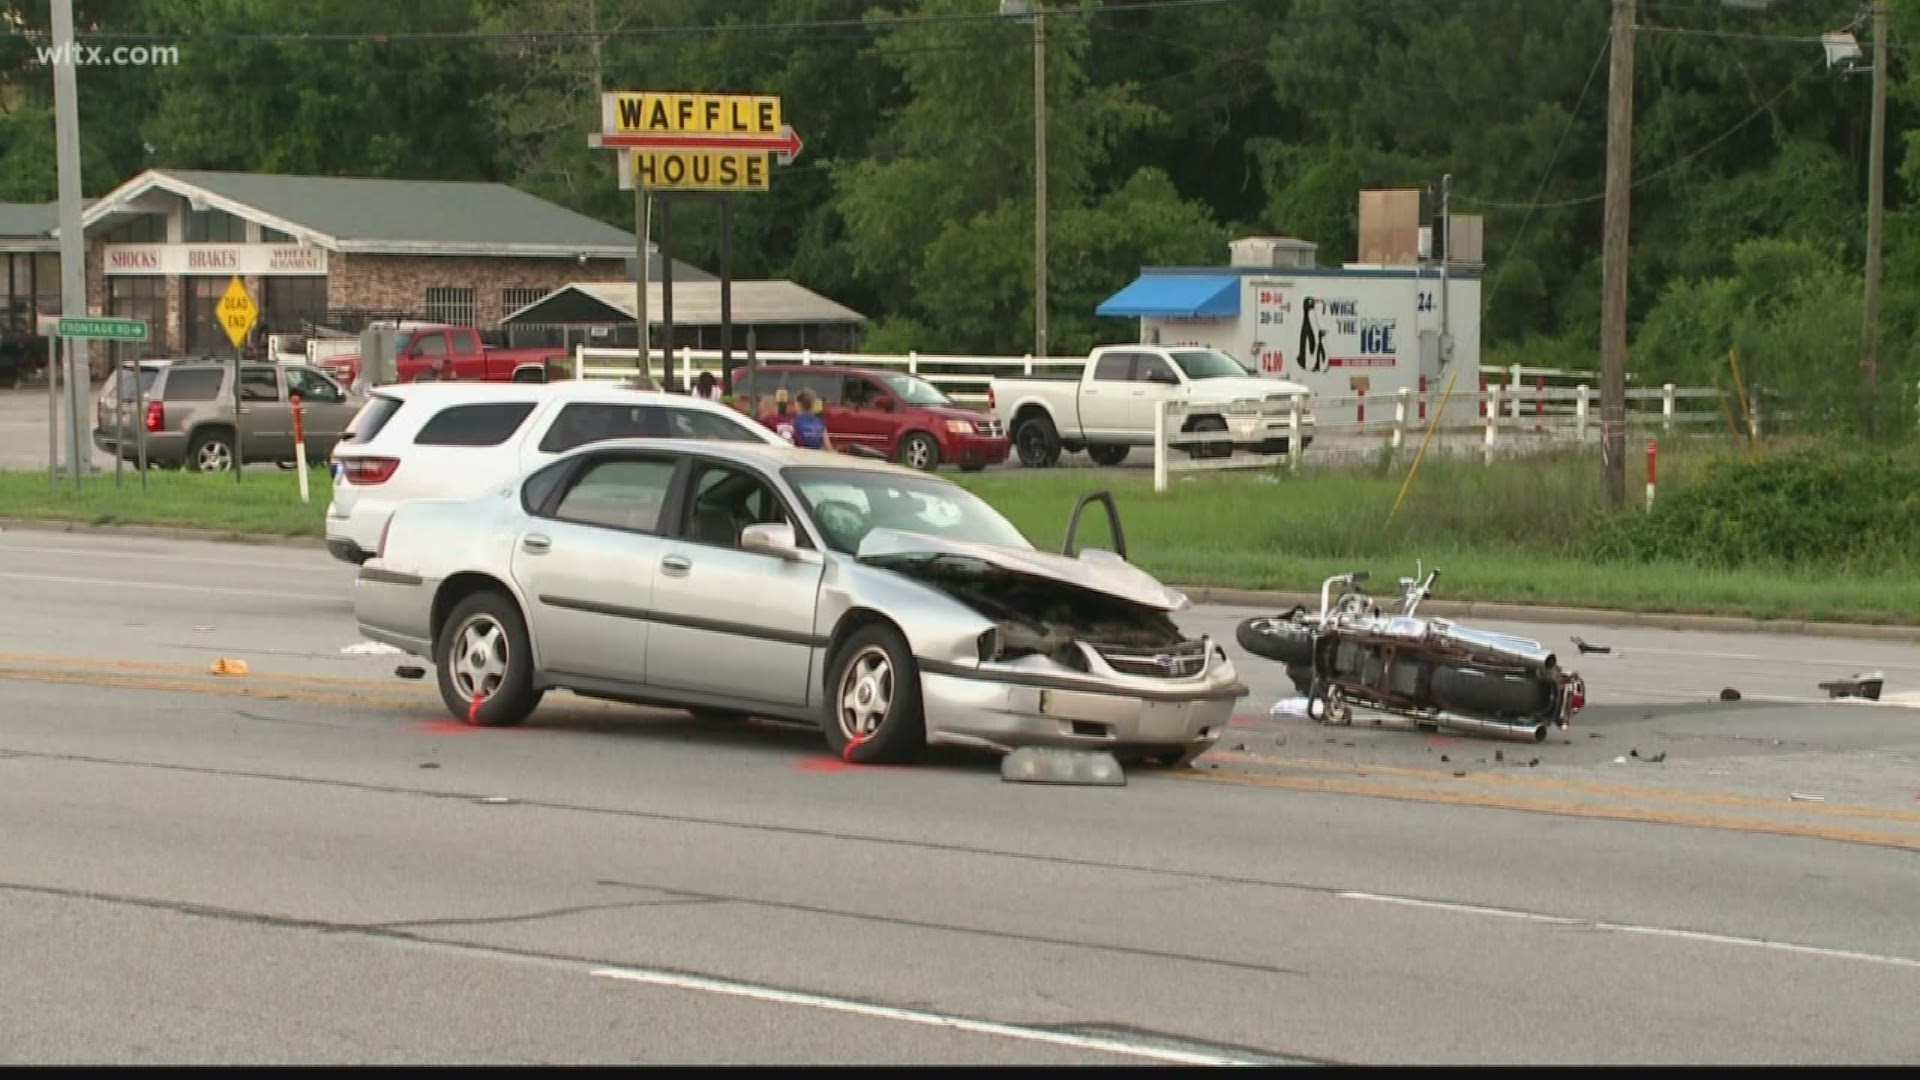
x: 1176, y: 296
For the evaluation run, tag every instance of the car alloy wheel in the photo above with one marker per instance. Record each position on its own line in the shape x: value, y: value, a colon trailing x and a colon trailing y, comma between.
x: 480, y: 658
x: 214, y: 455
x: 866, y: 694
x: 918, y: 452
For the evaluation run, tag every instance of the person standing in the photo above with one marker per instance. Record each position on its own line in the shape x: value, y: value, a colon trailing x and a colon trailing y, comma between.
x: 707, y: 387
x: 809, y: 425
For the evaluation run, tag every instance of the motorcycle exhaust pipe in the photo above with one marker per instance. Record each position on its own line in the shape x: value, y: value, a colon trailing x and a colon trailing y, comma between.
x: 1523, y: 732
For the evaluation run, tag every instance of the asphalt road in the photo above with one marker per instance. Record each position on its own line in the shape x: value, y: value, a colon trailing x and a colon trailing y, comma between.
x: 311, y: 863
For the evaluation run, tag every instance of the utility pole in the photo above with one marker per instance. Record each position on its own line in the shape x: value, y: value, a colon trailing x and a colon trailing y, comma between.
x: 1613, y: 298
x: 73, y: 257
x: 1876, y: 170
x: 641, y: 227
x: 1040, y: 180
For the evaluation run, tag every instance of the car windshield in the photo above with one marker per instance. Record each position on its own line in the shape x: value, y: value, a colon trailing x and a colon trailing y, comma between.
x: 847, y: 504
x: 915, y: 391
x: 400, y: 343
x: 1209, y: 364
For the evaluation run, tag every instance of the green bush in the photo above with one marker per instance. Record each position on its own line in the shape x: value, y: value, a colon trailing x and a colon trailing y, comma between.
x: 1827, y: 506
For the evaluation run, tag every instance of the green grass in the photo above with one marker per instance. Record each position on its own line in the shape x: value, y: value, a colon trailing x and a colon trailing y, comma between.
x: 261, y: 502
x: 1520, y: 532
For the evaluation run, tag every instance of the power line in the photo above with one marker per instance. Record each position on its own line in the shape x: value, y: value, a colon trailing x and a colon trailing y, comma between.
x: 1583, y: 200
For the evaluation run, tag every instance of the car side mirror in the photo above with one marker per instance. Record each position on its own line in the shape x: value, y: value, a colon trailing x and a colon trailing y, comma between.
x: 771, y: 539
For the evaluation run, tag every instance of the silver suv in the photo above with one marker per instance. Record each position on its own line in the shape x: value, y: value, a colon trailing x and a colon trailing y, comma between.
x: 193, y: 417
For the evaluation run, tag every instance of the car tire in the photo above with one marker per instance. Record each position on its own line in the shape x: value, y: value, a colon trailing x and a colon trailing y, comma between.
x: 1037, y: 441
x: 1208, y: 451
x: 1109, y: 453
x: 873, y: 712
x: 497, y: 664
x: 919, y: 451
x: 211, y: 451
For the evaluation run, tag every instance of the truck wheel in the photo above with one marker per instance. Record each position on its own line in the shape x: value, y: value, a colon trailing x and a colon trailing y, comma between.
x: 1210, y: 450
x: 1108, y: 454
x: 1037, y: 441
x: 919, y: 451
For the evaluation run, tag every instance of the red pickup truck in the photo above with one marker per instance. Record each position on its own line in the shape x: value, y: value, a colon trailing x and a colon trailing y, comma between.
x: 455, y: 353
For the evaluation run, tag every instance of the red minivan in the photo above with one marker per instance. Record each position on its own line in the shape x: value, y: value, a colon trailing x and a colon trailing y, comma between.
x: 900, y: 415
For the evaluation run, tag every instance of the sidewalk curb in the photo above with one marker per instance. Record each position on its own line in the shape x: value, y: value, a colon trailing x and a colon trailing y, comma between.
x: 1275, y: 600
x: 162, y: 532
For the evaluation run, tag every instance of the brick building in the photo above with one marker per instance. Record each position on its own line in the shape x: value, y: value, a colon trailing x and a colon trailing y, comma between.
x: 313, y: 250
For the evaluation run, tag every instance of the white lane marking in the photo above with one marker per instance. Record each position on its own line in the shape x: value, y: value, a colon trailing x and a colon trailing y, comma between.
x: 914, y: 1016
x: 165, y: 587
x: 120, y: 553
x: 1652, y: 931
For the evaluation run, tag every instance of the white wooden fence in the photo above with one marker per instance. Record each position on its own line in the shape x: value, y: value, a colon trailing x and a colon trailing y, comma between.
x: 962, y: 378
x: 1502, y: 420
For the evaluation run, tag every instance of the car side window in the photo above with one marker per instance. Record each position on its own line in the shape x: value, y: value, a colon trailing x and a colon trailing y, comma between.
x: 619, y: 493
x: 465, y: 343
x: 583, y: 422
x: 191, y: 384
x: 698, y: 424
x: 726, y: 500
x: 313, y: 387
x: 856, y: 392
x: 1152, y: 369
x: 542, y: 484
x: 259, y: 384
x: 828, y: 386
x: 1112, y: 367
x: 487, y: 424
x: 432, y: 345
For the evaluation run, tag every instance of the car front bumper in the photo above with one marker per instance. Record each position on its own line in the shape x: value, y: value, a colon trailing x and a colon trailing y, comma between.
x: 966, y: 450
x: 1003, y: 711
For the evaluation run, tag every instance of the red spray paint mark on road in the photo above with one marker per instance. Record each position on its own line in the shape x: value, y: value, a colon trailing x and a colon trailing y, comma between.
x: 1438, y: 740
x: 1241, y: 721
x: 438, y: 726
x: 826, y: 763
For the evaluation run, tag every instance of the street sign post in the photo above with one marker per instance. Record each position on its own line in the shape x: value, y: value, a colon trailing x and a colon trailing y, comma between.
x: 672, y: 143
x: 237, y: 313
x: 89, y: 328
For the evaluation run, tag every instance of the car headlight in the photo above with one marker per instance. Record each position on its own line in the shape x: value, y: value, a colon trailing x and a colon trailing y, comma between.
x: 960, y: 427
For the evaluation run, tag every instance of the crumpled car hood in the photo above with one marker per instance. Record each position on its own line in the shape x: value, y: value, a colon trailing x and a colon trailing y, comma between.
x: 1095, y: 570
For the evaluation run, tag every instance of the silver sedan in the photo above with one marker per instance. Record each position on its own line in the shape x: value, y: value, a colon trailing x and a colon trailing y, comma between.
x: 894, y: 608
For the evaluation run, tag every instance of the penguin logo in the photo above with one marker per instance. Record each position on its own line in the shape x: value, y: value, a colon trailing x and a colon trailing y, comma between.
x: 1313, y: 343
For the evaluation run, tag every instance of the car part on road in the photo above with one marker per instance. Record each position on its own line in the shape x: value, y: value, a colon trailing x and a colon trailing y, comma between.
x: 1866, y: 685
x: 1435, y: 671
x: 1039, y: 765
x: 1586, y: 647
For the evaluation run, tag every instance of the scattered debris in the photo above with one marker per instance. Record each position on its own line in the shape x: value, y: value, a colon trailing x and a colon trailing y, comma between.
x: 1236, y: 746
x: 1530, y: 764
x: 1800, y: 796
x: 1729, y: 694
x: 1589, y: 647
x: 495, y: 800
x: 1498, y: 755
x: 1620, y: 761
x: 429, y: 764
x: 1456, y: 772
x: 1631, y: 753
x: 410, y: 671
x: 1866, y: 685
x: 1443, y: 757
x: 224, y: 666
x: 206, y: 629
x: 370, y: 648
x: 1293, y: 706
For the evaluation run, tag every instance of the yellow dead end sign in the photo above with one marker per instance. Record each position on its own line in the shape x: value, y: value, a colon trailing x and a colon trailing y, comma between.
x: 237, y: 312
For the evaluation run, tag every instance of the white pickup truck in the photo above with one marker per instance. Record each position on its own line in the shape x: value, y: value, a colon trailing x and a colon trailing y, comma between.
x: 1110, y: 408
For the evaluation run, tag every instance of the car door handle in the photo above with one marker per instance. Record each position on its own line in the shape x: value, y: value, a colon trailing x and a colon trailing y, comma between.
x: 676, y: 565
x: 536, y: 543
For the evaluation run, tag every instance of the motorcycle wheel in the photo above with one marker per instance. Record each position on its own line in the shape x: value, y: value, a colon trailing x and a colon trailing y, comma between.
x: 1277, y: 639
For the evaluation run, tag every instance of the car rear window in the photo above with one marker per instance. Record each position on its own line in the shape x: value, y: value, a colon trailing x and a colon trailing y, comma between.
x: 192, y: 384
x: 585, y: 422
x: 129, y: 390
x: 372, y: 416
x: 487, y: 424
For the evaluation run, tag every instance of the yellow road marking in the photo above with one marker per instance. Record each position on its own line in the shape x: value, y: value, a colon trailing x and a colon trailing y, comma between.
x: 1494, y: 801
x: 1591, y: 787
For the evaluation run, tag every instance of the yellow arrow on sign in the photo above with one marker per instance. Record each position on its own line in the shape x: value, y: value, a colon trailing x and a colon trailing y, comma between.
x: 237, y: 312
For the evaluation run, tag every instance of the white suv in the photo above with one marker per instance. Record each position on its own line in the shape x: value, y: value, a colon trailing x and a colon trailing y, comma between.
x: 454, y: 440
